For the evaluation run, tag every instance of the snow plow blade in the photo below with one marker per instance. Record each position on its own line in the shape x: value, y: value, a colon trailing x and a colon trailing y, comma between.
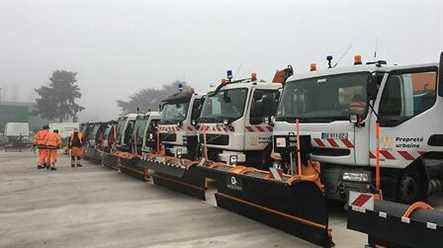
x: 397, y: 225
x: 110, y: 160
x: 298, y: 208
x: 179, y: 175
x: 93, y: 155
x: 135, y: 167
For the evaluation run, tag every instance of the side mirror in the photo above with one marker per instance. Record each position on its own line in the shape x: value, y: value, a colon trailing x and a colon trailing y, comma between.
x: 353, y: 118
x: 356, y: 119
x: 271, y: 120
x: 259, y: 109
x: 268, y: 108
x: 371, y: 88
x: 226, y: 97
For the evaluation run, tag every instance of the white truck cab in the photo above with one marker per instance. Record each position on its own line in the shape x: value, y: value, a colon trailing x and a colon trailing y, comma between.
x: 236, y: 120
x: 144, y: 133
x: 339, y: 109
x: 125, y: 127
x: 177, y: 127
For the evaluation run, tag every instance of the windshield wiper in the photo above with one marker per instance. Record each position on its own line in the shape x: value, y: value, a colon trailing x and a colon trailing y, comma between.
x: 308, y: 119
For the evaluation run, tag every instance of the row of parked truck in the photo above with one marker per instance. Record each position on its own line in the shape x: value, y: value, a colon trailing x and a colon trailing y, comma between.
x: 278, y: 151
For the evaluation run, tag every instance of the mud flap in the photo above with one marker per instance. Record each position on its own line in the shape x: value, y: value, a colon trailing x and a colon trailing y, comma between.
x: 299, y: 209
x: 135, y: 167
x: 190, y: 181
x: 386, y: 225
x: 111, y: 161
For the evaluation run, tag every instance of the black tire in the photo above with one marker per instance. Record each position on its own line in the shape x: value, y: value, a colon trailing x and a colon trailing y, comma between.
x: 409, y: 189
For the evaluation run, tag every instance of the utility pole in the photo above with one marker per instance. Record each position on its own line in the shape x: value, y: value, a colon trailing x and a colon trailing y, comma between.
x: 0, y: 95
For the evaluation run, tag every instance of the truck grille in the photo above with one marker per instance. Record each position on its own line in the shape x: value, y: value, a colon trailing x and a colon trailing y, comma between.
x: 168, y: 137
x: 216, y: 139
x: 331, y: 152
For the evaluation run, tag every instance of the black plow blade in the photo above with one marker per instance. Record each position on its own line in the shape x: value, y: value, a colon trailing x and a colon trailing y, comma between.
x: 134, y: 167
x: 111, y: 161
x: 187, y: 180
x: 299, y: 209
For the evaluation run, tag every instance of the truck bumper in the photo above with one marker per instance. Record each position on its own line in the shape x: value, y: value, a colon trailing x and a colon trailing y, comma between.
x: 338, y: 189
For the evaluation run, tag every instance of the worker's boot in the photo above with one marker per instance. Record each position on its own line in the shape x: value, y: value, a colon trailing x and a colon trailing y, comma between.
x: 53, y: 168
x: 79, y: 165
x: 40, y: 167
x: 72, y: 164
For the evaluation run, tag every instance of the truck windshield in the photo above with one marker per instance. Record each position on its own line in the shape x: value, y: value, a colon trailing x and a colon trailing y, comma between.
x: 173, y: 113
x: 107, y: 131
x: 226, y: 104
x: 324, y: 99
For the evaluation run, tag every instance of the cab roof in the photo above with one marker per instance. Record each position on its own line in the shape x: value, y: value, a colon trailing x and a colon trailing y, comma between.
x: 181, y: 96
x: 357, y: 68
x: 132, y: 115
x: 258, y: 84
x: 153, y: 114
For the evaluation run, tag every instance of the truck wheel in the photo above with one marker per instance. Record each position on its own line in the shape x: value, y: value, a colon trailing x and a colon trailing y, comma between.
x: 409, y: 190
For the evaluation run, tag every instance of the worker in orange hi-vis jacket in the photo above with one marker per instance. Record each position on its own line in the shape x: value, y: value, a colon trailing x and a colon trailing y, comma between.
x: 40, y: 143
x: 53, y: 143
x: 75, y: 144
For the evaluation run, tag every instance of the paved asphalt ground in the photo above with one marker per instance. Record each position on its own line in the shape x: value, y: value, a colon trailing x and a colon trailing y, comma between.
x: 98, y: 207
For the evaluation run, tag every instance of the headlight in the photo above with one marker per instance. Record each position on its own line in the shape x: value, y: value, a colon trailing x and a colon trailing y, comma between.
x: 356, y: 176
x: 280, y: 142
x: 179, y: 152
x: 233, y: 159
x: 276, y: 165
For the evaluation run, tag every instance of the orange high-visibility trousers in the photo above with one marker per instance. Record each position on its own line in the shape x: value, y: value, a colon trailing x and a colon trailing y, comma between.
x: 42, y: 156
x: 52, y: 156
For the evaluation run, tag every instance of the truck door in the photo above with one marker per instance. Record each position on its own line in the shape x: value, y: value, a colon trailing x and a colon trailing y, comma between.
x: 405, y: 111
x: 259, y: 130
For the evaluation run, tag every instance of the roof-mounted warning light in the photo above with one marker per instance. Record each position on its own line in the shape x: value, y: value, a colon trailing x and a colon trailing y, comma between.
x: 253, y: 76
x: 180, y: 87
x: 229, y: 75
x: 357, y: 60
x: 312, y: 67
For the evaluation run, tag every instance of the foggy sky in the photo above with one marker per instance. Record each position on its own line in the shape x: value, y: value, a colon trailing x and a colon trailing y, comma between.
x: 118, y: 47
